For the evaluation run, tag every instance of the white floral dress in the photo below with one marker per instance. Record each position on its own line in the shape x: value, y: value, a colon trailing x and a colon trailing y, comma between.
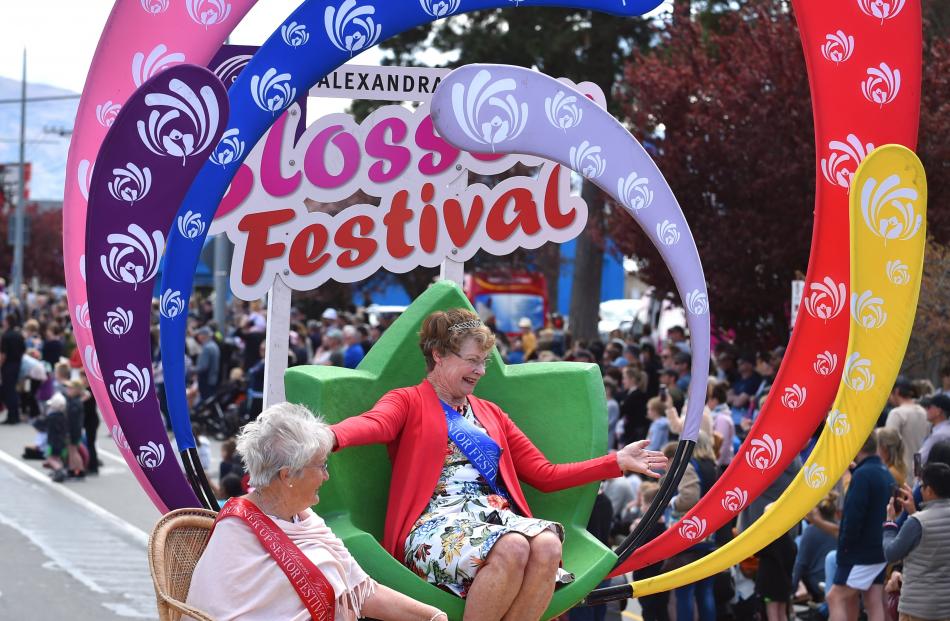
x: 464, y: 519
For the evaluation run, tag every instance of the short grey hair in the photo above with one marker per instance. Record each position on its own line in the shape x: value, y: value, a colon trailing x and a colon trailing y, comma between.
x: 286, y: 435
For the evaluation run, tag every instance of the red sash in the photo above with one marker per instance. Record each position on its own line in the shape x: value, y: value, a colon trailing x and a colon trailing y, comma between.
x: 311, y: 585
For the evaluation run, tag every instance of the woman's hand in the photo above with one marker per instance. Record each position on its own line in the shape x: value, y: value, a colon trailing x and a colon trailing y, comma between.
x: 636, y: 458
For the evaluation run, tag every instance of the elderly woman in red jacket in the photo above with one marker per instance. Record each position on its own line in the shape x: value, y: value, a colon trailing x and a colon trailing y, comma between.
x: 457, y: 515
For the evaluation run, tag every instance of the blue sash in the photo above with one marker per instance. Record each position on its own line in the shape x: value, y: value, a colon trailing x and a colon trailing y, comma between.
x: 481, y: 450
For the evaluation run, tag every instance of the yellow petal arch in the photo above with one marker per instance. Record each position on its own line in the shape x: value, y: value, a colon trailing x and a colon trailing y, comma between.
x: 888, y: 204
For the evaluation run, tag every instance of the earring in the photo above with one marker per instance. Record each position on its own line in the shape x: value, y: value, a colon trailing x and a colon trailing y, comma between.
x: 290, y: 485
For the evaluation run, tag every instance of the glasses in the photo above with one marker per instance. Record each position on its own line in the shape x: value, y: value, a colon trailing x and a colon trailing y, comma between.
x: 324, y: 466
x: 476, y: 363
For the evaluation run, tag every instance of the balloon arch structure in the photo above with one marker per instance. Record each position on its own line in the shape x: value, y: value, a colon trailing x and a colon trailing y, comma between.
x: 158, y: 140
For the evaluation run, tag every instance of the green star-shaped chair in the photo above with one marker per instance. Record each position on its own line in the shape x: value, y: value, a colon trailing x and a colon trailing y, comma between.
x: 559, y: 405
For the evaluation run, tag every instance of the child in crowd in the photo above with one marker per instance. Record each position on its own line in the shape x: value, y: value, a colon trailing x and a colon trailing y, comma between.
x: 75, y: 420
x: 56, y: 436
x: 774, y: 579
x: 659, y: 432
x: 653, y: 607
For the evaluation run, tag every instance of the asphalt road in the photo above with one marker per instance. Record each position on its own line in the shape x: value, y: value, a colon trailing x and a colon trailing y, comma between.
x: 77, y: 550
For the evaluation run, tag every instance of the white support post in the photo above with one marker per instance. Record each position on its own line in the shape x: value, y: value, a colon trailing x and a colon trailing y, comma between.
x: 278, y: 342
x: 450, y: 269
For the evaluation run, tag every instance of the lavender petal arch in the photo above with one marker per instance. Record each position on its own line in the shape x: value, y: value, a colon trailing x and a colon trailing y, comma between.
x: 158, y: 142
x: 514, y: 110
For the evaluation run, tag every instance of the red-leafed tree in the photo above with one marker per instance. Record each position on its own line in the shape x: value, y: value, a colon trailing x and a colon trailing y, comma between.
x: 43, y: 254
x: 727, y: 106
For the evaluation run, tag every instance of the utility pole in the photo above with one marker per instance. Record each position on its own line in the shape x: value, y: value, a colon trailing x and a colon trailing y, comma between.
x: 21, y: 200
x: 220, y: 270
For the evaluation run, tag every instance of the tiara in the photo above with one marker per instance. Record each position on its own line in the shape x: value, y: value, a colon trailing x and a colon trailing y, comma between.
x: 465, y: 325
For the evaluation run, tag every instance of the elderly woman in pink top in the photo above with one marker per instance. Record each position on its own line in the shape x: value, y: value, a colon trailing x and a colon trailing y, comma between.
x: 277, y: 559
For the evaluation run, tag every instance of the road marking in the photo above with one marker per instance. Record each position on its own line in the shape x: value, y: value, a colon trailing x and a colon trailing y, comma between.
x: 102, y: 552
x: 137, y: 534
x: 113, y: 457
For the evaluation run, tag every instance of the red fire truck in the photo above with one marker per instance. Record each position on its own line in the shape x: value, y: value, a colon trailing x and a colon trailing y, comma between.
x: 508, y: 296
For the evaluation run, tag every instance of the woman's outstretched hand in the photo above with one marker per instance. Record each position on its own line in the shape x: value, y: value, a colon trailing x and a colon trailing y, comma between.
x: 636, y: 458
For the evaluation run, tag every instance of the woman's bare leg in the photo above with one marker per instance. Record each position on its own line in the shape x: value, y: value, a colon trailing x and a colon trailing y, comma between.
x: 498, y: 579
x: 538, y: 584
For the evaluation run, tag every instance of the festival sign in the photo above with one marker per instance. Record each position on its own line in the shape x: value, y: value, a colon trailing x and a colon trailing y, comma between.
x: 427, y: 212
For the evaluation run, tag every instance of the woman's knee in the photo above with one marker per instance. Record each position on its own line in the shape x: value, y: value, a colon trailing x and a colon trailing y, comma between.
x: 511, y: 551
x: 546, y: 548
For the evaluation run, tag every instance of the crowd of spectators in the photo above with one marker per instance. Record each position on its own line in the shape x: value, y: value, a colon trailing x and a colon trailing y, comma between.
x: 843, y: 558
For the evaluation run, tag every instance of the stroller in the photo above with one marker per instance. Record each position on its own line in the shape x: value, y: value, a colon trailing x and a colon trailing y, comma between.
x: 224, y: 413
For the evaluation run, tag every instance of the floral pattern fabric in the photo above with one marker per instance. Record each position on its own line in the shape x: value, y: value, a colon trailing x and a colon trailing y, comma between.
x: 464, y: 519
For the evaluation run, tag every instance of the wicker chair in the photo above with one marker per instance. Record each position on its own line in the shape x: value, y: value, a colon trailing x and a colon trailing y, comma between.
x: 174, y: 548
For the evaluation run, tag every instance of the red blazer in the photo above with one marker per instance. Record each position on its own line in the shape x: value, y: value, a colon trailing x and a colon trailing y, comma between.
x: 411, y: 422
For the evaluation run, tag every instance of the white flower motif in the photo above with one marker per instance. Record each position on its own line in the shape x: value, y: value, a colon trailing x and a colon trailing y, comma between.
x: 692, y: 528
x: 837, y: 47
x: 229, y: 149
x: 882, y: 84
x: 439, y: 8
x: 764, y: 453
x: 131, y: 183
x: 84, y: 174
x: 838, y: 422
x: 510, y: 117
x: 364, y: 32
x: 91, y: 360
x: 154, y: 7
x: 825, y: 363
x: 131, y: 384
x: 151, y: 455
x: 857, y: 373
x: 898, y: 272
x: 667, y: 233
x: 794, y: 396
x: 118, y: 322
x: 634, y: 192
x: 190, y: 225
x: 843, y: 160
x: 562, y: 111
x: 868, y: 310
x: 888, y: 209
x: 144, y: 67
x: 133, y: 258
x: 697, y: 302
x: 208, y: 12
x: 294, y: 34
x: 82, y: 315
x: 181, y: 123
x: 272, y: 91
x: 735, y: 500
x: 815, y: 476
x: 82, y: 267
x: 106, y: 113
x: 118, y: 436
x: 171, y: 305
x: 826, y: 300
x: 587, y: 160
x: 881, y: 9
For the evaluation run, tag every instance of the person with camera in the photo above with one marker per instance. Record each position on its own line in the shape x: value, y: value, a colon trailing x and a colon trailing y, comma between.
x: 922, y: 543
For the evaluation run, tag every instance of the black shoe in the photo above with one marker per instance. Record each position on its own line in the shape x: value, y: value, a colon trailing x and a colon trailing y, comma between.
x: 31, y: 452
x: 59, y: 476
